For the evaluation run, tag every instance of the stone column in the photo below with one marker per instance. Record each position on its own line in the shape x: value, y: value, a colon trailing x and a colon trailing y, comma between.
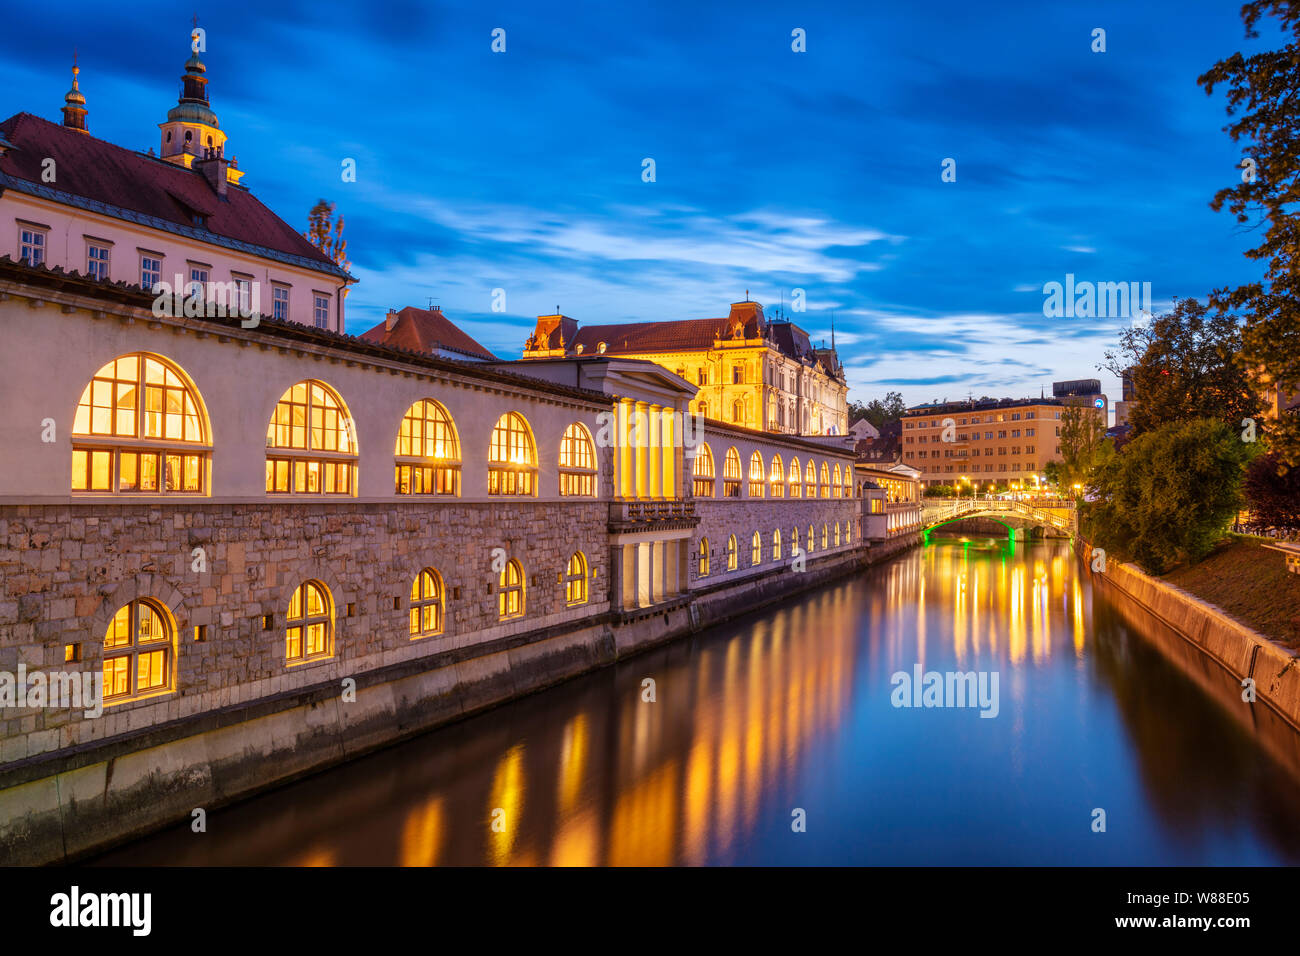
x: 654, y: 451
x: 642, y: 450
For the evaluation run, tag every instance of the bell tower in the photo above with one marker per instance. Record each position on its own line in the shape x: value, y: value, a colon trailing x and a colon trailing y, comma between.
x: 74, y: 104
x: 192, y: 132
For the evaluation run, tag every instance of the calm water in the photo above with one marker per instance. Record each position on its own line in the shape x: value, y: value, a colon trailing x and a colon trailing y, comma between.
x: 791, y: 709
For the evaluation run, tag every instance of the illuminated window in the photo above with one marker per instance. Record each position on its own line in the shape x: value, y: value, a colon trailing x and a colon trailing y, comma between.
x: 577, y: 462
x: 848, y: 481
x: 756, y: 482
x: 428, y: 452
x: 756, y: 549
x: 811, y: 542
x: 512, y: 460
x: 575, y: 580
x: 310, y: 629
x: 731, y: 474
x: 776, y: 477
x: 837, y: 534
x: 138, y: 652
x: 794, y: 542
x: 702, y: 472
x: 810, y: 480
x: 776, y: 545
x: 311, y: 449
x: 140, y: 428
x: 826, y: 536
x: 704, y: 557
x: 733, y: 557
x: 510, y: 591
x: 795, y: 477
x: 837, y: 487
x: 826, y: 481
x: 426, y: 604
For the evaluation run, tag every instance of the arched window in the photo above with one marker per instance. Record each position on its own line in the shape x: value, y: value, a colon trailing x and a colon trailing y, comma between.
x: 811, y: 542
x: 756, y: 483
x: 776, y: 545
x: 738, y: 411
x: 704, y: 410
x: 311, y: 448
x: 140, y: 428
x: 512, y: 457
x: 733, y: 558
x: 426, y: 604
x: 139, y: 652
x: 577, y: 462
x: 310, y: 632
x: 848, y: 481
x: 837, y: 534
x: 756, y: 550
x: 826, y: 537
x: 704, y: 557
x: 575, y: 580
x: 837, y: 487
x: 810, y: 480
x: 427, y: 452
x: 510, y: 591
x: 702, y: 472
x: 731, y: 474
x: 795, y: 476
x: 826, y: 481
x: 794, y: 542
x: 776, y: 477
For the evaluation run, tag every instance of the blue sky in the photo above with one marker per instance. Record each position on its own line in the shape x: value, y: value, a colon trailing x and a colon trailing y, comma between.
x: 775, y: 170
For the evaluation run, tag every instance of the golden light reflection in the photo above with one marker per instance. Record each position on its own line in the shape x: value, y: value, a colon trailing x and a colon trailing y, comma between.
x: 507, y: 797
x: 573, y: 761
x: 422, y: 834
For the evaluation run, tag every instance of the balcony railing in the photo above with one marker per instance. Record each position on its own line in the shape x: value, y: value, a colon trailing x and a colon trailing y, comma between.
x: 651, y: 511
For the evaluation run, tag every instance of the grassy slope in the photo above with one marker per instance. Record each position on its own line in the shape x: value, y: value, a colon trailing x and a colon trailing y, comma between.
x: 1252, y: 584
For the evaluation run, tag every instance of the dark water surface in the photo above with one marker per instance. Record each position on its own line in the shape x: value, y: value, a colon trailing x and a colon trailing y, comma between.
x: 790, y: 710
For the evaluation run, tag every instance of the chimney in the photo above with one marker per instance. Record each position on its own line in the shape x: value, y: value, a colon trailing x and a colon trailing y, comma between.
x: 390, y: 320
x: 213, y: 167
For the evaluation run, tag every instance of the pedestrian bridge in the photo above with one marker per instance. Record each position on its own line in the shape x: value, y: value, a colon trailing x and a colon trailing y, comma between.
x: 1041, y: 518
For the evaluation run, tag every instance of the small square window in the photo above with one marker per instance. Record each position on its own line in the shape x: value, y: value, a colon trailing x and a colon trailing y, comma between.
x: 352, y: 609
x: 200, y: 632
x: 268, y: 622
x: 397, y: 604
x: 71, y: 653
x: 455, y: 594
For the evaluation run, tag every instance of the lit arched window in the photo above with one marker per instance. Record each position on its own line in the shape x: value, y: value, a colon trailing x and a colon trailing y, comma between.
x: 810, y: 480
x: 756, y: 483
x: 704, y: 557
x: 731, y: 474
x: 139, y: 652
x: 426, y: 604
x: 733, y: 558
x: 776, y: 545
x: 577, y: 462
x: 826, y: 537
x: 512, y: 457
x: 510, y: 591
x: 311, y: 623
x: 837, y: 534
x: 311, y: 449
x: 756, y: 549
x: 811, y: 542
x: 795, y: 476
x: 794, y: 542
x: 702, y: 472
x: 826, y: 481
x: 575, y: 580
x: 140, y: 428
x: 848, y: 481
x: 776, y: 477
x: 428, y: 451
x: 837, y: 487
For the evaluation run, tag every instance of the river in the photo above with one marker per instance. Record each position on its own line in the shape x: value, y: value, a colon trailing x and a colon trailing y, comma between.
x: 775, y: 739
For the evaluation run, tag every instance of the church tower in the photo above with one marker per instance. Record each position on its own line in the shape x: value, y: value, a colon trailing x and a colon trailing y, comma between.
x: 192, y: 133
x: 74, y: 105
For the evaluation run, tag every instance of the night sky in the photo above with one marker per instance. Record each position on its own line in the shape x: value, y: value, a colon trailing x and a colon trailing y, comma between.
x: 775, y: 170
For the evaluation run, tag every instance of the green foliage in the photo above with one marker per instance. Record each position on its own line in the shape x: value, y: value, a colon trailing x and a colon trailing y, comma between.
x: 1183, y: 366
x: 940, y: 491
x: 877, y: 412
x: 1264, y: 110
x: 1273, y: 495
x: 1084, y: 446
x: 1170, y: 496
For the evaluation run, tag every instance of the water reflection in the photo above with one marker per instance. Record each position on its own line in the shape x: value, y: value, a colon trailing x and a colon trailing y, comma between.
x: 790, y: 711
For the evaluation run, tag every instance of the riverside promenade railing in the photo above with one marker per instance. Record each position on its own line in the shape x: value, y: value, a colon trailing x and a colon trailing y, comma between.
x: 1059, y: 513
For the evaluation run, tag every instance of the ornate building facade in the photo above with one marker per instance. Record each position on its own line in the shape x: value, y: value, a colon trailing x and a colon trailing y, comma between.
x: 749, y: 370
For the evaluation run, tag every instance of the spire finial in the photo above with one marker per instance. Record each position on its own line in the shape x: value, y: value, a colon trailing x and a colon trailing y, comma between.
x: 74, y: 103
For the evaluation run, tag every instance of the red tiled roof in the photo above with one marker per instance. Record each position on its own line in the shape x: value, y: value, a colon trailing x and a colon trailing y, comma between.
x: 91, y: 171
x: 650, y: 336
x: 423, y: 330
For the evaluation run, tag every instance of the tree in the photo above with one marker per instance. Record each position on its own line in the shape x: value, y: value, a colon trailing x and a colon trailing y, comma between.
x: 877, y: 412
x: 1170, y: 497
x: 320, y: 235
x: 1084, y: 446
x: 1273, y: 495
x: 1266, y: 88
x: 1183, y: 367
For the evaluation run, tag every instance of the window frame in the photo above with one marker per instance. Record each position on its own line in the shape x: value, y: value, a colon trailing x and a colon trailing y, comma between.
x: 421, y: 604
x: 134, y: 647
x: 306, y: 621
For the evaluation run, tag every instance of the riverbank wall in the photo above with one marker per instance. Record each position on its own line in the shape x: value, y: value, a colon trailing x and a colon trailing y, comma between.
x: 67, y: 805
x: 1216, y: 651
